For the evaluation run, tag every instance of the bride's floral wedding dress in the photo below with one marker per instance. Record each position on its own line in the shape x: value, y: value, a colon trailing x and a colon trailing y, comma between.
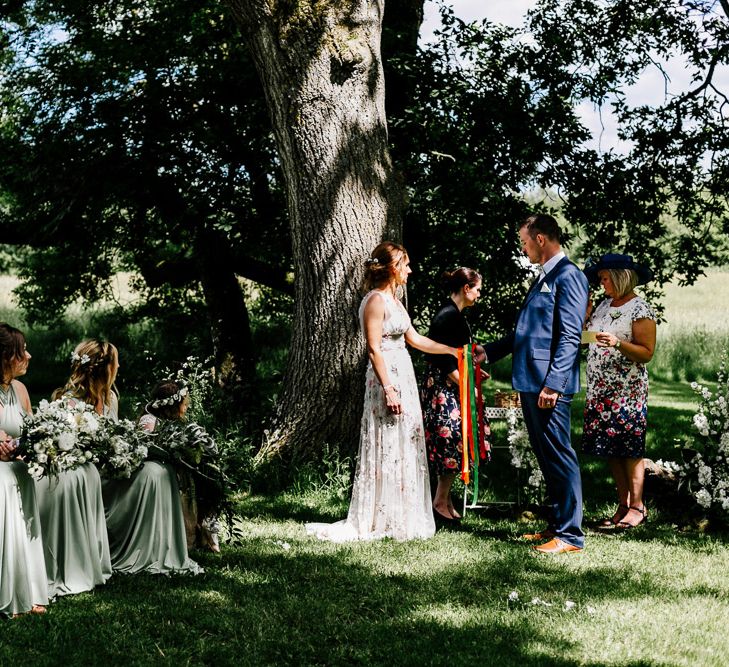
x: 391, y: 493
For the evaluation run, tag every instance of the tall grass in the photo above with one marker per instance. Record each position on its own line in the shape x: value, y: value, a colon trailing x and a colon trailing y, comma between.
x: 695, y: 331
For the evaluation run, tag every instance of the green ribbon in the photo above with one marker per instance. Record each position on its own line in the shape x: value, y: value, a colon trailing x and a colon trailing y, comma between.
x: 474, y: 420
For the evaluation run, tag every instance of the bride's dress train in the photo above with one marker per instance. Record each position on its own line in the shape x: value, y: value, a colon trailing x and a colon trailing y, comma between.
x: 391, y: 493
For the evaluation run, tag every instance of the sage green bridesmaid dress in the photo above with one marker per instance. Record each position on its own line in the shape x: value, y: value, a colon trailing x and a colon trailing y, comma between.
x: 72, y: 518
x: 145, y: 522
x: 22, y: 568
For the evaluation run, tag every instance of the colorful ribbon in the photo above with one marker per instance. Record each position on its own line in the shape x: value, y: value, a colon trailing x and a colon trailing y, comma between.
x: 472, y: 424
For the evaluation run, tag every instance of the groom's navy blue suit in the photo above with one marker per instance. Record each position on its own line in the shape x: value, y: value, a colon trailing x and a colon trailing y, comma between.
x: 545, y: 353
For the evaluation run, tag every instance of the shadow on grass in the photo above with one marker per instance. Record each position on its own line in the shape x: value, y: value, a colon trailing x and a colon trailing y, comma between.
x: 305, y: 602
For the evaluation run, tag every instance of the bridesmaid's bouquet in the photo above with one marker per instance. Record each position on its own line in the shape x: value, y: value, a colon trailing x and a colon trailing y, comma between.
x: 187, y: 443
x: 122, y: 448
x: 60, y: 435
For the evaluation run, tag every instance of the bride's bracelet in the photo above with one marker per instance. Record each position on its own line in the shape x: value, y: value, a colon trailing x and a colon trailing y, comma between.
x: 388, y: 386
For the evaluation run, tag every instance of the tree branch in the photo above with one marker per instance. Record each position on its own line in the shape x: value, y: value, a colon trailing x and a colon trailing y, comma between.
x: 725, y: 6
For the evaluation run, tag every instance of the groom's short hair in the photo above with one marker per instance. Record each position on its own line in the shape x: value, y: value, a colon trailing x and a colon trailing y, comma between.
x: 541, y: 223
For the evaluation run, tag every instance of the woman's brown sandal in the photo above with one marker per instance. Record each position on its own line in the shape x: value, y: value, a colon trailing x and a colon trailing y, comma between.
x: 624, y: 525
x: 614, y: 520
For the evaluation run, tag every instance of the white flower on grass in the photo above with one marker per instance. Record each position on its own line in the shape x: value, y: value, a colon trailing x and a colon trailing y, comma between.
x: 513, y: 596
x: 569, y: 605
x: 539, y: 601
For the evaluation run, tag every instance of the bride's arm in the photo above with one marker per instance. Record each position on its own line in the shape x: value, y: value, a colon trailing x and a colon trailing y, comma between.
x: 425, y: 344
x: 374, y: 315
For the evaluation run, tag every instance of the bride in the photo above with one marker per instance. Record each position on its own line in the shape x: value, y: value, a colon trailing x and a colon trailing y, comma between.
x: 391, y: 494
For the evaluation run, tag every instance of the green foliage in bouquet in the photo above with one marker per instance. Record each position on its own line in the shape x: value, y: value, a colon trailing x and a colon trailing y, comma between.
x: 122, y: 447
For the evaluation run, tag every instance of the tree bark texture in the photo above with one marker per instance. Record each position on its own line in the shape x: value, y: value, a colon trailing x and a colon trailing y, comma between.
x: 319, y: 62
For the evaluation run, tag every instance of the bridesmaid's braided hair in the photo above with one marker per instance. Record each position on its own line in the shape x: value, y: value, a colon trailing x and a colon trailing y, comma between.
x: 93, y: 370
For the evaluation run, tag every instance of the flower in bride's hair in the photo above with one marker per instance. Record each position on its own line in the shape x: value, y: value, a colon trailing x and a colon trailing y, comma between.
x: 371, y: 261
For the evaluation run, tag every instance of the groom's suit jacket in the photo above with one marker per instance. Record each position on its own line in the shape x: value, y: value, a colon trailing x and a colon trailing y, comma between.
x: 546, y: 340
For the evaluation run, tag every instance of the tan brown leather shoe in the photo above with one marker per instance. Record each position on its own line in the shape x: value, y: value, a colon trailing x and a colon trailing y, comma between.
x: 556, y: 546
x: 545, y: 534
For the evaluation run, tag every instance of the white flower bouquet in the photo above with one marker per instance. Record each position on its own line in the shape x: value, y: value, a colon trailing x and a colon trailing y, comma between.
x: 59, y: 436
x: 122, y: 448
x: 184, y: 442
x: 705, y: 470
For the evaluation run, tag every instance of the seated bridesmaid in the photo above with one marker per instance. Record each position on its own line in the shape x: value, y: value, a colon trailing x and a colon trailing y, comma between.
x: 23, y: 586
x: 144, y: 513
x: 71, y: 507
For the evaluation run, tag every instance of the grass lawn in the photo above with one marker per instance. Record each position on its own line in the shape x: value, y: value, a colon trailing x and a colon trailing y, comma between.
x: 655, y: 596
x: 652, y: 597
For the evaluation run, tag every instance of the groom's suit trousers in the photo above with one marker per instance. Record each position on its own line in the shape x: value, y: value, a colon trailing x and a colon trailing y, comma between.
x: 549, y: 434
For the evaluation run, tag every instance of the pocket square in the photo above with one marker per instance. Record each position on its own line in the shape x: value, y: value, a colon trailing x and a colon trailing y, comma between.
x: 545, y: 288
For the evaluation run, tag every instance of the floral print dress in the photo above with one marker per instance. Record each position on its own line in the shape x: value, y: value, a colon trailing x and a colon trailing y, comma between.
x: 391, y: 492
x: 617, y: 388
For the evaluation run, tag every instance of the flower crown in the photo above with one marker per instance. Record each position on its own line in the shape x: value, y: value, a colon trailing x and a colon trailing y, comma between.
x: 170, y: 400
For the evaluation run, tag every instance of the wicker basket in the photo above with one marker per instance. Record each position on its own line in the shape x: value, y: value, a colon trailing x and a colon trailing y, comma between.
x: 507, y: 399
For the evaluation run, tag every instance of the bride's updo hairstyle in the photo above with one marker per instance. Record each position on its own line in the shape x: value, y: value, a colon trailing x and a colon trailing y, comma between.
x: 94, y: 364
x: 382, y: 264
x: 454, y: 280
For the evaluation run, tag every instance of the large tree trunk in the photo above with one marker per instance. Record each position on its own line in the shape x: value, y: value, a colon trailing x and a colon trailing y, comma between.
x: 322, y: 75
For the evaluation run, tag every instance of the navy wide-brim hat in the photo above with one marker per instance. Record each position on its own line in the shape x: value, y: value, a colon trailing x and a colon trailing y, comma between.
x: 616, y: 261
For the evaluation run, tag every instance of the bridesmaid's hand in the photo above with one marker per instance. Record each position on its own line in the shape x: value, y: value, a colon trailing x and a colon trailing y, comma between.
x: 392, y: 396
x: 7, y: 447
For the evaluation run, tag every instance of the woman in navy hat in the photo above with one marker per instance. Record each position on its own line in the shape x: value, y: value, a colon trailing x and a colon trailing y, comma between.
x: 617, y: 380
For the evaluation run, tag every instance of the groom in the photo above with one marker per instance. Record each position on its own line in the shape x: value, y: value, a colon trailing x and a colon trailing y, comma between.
x: 546, y: 372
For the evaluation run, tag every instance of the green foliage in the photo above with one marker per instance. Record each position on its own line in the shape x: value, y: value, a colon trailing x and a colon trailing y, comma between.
x: 132, y: 131
x: 495, y: 116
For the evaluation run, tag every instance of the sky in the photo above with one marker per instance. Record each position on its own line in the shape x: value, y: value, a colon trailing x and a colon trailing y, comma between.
x: 649, y: 89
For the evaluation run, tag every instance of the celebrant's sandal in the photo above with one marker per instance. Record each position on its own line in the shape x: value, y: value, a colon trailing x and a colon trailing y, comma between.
x: 614, y: 520
x: 624, y: 525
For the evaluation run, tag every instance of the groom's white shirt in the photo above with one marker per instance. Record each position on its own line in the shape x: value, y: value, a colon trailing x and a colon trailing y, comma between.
x: 550, y: 264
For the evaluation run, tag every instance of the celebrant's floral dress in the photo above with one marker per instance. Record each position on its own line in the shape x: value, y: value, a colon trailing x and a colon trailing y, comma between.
x: 439, y: 395
x: 616, y: 402
x: 391, y: 493
x: 22, y: 566
x: 72, y: 520
x: 144, y: 519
